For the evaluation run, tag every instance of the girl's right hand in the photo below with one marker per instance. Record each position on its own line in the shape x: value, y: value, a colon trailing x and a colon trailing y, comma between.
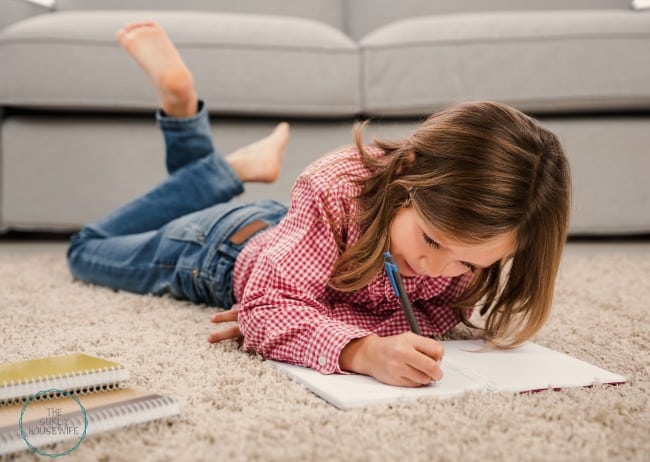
x: 406, y: 360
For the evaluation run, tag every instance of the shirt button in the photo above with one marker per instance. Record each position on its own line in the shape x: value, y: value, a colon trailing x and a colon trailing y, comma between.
x: 322, y: 360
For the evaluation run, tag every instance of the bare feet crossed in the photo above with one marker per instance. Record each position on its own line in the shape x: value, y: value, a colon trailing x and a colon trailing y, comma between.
x: 148, y: 44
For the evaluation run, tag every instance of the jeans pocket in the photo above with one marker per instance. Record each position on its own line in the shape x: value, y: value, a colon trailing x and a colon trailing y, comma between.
x: 217, y: 285
x: 196, y: 226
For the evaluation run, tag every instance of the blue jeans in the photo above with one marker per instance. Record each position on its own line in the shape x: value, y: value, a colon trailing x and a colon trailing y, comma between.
x: 175, y: 238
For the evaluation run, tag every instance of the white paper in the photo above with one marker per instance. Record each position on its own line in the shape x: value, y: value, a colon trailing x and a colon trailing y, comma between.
x: 527, y: 368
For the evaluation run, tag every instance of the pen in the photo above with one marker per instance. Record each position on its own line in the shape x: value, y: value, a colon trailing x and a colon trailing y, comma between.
x: 400, y: 292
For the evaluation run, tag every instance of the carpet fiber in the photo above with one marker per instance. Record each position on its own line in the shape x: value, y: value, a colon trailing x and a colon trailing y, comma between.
x: 237, y: 407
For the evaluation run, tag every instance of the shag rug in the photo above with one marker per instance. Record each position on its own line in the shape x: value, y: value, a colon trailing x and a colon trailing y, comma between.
x: 237, y: 407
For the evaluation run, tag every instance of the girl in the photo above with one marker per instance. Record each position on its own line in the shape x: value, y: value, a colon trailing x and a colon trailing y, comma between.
x: 473, y: 206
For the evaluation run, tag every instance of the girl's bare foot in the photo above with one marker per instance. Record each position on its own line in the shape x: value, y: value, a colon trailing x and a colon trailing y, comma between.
x: 152, y: 49
x: 260, y: 161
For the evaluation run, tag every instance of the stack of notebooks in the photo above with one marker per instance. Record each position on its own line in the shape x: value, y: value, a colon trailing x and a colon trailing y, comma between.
x: 66, y: 398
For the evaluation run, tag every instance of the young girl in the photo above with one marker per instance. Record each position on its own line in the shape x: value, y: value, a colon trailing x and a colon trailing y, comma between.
x: 473, y: 206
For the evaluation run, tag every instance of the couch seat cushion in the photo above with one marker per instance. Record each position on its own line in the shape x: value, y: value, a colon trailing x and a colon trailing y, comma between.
x: 242, y: 64
x: 538, y: 61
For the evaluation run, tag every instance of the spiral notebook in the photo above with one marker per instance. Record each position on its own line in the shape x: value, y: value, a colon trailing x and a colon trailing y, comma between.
x: 530, y: 367
x: 104, y: 412
x: 78, y: 373
x: 32, y: 408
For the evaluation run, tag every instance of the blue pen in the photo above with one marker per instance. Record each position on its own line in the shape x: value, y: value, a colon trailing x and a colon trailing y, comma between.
x: 400, y: 292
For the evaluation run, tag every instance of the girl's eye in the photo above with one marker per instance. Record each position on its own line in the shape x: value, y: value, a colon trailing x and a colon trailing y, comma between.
x: 430, y: 242
x: 469, y: 266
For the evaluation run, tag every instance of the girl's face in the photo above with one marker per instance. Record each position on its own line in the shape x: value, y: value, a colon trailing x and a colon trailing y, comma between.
x: 421, y: 250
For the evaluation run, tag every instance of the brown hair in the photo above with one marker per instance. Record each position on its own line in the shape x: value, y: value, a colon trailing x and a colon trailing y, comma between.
x: 478, y: 170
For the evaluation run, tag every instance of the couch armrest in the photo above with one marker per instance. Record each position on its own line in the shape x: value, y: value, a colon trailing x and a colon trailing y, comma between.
x: 12, y: 11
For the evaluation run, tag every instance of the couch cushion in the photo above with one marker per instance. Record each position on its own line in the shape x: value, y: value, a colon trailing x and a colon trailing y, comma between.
x: 536, y: 61
x: 365, y: 16
x: 242, y: 64
x: 327, y: 11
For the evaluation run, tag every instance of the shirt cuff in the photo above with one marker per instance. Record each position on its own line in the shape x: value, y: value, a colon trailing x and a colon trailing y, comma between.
x: 323, y: 351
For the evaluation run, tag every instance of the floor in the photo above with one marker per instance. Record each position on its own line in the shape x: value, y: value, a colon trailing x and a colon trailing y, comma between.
x: 579, y: 247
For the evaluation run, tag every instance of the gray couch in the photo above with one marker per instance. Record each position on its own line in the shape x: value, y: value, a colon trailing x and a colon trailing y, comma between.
x: 78, y: 137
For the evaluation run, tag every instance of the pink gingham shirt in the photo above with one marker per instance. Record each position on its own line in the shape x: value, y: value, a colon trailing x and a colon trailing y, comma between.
x: 287, y: 310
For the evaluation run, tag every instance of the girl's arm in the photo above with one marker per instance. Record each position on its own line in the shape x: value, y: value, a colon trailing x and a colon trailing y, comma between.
x: 387, y: 359
x: 284, y: 311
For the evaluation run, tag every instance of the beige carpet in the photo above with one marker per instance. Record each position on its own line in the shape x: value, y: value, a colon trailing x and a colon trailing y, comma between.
x: 236, y: 407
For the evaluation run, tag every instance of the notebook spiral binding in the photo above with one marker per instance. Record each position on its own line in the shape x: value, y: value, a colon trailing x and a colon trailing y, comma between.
x: 99, y: 420
x: 89, y: 381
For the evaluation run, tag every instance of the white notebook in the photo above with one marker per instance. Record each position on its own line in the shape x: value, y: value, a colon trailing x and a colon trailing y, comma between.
x: 529, y: 367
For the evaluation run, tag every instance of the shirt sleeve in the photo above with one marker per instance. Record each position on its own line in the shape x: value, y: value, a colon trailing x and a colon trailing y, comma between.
x: 284, y: 314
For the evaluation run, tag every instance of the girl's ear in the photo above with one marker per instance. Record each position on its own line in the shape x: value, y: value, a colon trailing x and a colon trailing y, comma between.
x: 405, y: 161
x: 411, y: 156
x: 409, y: 198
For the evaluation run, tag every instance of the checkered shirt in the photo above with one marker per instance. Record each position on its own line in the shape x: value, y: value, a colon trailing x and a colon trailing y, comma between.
x: 287, y: 310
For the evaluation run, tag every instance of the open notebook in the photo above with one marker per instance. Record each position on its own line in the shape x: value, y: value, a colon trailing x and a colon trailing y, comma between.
x: 530, y: 367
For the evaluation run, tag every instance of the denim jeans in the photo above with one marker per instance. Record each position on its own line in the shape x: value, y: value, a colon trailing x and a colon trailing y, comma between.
x: 174, y: 239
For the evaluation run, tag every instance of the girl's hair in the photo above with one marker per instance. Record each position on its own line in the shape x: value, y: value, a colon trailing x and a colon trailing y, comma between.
x: 474, y: 171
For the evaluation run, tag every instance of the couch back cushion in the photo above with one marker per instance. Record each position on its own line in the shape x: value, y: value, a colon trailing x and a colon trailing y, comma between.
x: 364, y: 16
x: 537, y: 61
x: 242, y: 64
x: 327, y: 11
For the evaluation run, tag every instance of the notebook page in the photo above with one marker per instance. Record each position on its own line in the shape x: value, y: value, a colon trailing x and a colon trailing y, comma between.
x: 349, y: 391
x: 528, y: 367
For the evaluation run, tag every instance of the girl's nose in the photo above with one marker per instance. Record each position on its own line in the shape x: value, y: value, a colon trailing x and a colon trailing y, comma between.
x: 433, y: 267
x: 442, y: 266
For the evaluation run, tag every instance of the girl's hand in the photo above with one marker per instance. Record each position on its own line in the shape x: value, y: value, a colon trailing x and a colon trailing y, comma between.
x: 229, y: 333
x: 406, y: 360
